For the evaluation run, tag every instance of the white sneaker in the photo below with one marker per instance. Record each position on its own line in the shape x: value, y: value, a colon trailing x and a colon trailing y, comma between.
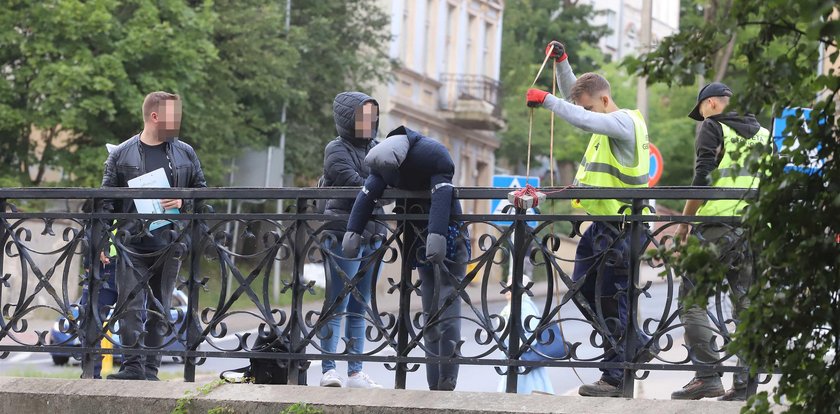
x: 331, y: 379
x: 361, y: 380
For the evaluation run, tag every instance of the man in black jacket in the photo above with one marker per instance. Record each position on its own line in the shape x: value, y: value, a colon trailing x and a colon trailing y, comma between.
x: 148, y: 258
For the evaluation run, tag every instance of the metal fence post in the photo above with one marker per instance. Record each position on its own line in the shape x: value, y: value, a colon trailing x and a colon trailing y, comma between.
x: 298, y: 288
x: 630, y: 334
x: 403, y: 317
x: 88, y: 325
x: 516, y: 290
x: 193, y: 282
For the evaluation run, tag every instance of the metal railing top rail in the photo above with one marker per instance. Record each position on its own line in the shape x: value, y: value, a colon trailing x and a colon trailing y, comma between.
x: 464, y: 193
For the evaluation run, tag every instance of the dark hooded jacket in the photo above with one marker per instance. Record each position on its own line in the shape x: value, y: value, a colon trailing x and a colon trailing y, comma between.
x: 344, y: 157
x: 709, y: 146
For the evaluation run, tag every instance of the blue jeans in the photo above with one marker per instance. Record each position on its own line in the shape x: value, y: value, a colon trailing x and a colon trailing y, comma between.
x: 593, y: 266
x: 354, y: 327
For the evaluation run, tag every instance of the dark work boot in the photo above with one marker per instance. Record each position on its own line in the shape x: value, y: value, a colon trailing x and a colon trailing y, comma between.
x: 734, y: 394
x: 128, y: 373
x: 600, y: 388
x: 699, y: 388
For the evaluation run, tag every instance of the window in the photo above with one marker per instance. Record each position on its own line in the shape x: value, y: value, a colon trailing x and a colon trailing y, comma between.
x: 471, y: 53
x: 429, y: 55
x: 613, y: 24
x: 489, y: 57
x: 406, y: 29
x: 451, y: 38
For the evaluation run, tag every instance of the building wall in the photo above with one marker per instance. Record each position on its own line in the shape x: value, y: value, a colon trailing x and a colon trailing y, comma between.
x: 432, y: 39
x: 624, y: 18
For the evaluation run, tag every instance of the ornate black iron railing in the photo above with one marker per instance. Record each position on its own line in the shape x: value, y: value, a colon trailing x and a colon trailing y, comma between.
x: 37, y: 280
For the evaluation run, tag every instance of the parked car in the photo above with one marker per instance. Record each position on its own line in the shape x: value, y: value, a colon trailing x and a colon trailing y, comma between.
x: 57, y: 337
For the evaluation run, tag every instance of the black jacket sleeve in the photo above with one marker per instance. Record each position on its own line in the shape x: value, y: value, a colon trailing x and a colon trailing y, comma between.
x: 707, y: 149
x: 365, y: 203
x: 196, y: 181
x: 109, y: 179
x: 338, y: 168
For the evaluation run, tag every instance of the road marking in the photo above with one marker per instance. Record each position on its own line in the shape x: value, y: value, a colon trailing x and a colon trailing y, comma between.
x: 18, y: 357
x: 38, y: 361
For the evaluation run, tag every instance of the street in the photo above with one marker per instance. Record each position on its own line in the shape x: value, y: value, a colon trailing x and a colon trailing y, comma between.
x: 471, y: 378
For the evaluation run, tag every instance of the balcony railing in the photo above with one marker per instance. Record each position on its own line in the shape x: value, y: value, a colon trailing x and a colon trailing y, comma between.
x: 217, y: 279
x: 473, y: 101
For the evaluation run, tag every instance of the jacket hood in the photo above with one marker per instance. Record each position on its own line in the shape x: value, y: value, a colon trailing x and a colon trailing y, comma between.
x: 344, y: 113
x: 745, y: 125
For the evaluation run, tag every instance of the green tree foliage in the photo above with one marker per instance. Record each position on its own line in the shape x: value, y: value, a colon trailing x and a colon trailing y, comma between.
x: 528, y: 26
x: 342, y: 47
x: 792, y: 323
x: 75, y: 74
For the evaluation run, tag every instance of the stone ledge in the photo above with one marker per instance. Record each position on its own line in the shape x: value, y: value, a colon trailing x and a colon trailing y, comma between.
x: 42, y: 395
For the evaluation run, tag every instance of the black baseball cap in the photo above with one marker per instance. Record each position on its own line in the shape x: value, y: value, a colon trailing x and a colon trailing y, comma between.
x: 708, y: 91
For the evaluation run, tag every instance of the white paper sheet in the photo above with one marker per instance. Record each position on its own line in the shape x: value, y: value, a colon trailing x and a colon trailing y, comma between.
x: 154, y: 179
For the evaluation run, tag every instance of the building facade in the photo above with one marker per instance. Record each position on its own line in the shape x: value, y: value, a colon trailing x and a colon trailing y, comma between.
x: 624, y: 18
x: 447, y: 83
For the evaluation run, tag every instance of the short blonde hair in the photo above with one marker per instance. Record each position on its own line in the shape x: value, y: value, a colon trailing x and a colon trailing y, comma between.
x: 591, y: 84
x: 153, y: 100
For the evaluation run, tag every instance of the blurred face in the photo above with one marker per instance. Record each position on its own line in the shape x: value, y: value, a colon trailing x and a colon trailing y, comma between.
x: 366, y: 118
x: 713, y: 106
x: 589, y: 103
x: 167, y: 119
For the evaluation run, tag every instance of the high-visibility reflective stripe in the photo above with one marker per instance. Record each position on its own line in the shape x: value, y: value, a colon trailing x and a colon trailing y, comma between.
x: 437, y: 187
x: 734, y: 172
x: 615, y: 172
x: 731, y: 173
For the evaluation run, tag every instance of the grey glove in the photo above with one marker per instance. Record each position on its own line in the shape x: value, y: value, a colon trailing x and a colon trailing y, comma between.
x: 435, y: 248
x: 350, y: 244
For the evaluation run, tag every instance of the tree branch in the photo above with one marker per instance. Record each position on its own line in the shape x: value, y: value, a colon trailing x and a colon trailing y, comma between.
x: 48, y: 135
x: 723, y: 64
x: 790, y: 27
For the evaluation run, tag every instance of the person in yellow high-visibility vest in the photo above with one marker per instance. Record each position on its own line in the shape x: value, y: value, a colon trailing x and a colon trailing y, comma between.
x: 617, y: 157
x: 722, y: 147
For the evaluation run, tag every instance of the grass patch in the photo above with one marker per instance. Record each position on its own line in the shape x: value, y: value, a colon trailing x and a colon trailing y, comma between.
x: 209, y: 297
x: 301, y: 408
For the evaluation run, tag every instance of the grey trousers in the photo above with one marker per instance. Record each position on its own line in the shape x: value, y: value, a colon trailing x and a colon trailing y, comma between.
x: 444, y: 332
x: 699, y: 332
x: 143, y: 311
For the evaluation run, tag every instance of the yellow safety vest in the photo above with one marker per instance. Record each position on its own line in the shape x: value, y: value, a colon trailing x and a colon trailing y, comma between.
x: 732, y: 171
x: 600, y: 168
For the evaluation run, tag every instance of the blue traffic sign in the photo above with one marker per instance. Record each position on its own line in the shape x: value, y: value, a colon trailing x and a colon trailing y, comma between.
x: 511, y: 181
x: 815, y: 164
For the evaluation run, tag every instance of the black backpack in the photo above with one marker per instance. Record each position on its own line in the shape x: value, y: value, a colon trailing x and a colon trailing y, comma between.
x: 269, y: 370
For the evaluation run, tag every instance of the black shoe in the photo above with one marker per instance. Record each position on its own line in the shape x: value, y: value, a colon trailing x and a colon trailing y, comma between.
x: 699, y: 388
x: 734, y: 394
x: 600, y: 388
x: 127, y: 374
x: 151, y: 377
